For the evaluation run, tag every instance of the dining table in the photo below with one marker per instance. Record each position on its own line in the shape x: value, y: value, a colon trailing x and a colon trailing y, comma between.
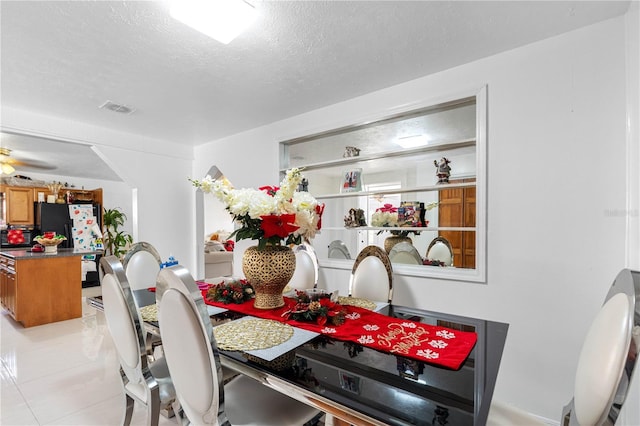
x: 363, y: 385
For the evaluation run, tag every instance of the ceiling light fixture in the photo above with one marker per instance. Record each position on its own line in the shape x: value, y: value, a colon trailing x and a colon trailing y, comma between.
x: 222, y: 20
x: 5, y: 167
x: 412, y: 141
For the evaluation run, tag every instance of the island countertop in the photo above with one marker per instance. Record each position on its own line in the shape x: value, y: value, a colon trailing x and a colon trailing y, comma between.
x: 62, y: 252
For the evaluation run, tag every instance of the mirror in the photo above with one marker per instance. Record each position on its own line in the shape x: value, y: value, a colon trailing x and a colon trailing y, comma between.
x: 416, y: 177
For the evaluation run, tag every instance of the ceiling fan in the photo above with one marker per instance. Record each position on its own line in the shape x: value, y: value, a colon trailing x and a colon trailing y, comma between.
x: 8, y: 163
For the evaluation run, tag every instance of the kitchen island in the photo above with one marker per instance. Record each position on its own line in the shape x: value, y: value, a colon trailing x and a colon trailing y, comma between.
x: 38, y: 288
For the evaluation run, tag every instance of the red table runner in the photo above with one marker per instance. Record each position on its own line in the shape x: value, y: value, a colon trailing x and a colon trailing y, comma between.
x: 424, y: 342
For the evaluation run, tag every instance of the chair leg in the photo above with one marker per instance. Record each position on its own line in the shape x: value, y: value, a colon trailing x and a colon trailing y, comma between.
x: 181, y: 417
x: 128, y: 410
x: 153, y: 408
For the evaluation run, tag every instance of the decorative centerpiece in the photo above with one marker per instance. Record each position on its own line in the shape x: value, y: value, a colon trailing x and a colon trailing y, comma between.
x: 389, y: 216
x: 50, y: 242
x: 276, y: 217
x: 236, y: 291
x: 321, y: 310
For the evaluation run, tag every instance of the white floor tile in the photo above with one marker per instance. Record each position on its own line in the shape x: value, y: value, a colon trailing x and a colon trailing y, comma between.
x: 13, y: 407
x: 63, y: 393
x: 108, y: 413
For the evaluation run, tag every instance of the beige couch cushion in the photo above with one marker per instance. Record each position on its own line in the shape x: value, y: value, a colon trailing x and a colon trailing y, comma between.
x: 218, y: 264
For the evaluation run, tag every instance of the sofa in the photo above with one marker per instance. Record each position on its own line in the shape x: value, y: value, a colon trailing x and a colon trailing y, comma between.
x: 217, y: 263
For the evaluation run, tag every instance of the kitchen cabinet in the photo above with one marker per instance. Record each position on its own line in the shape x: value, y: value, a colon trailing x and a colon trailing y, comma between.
x: 388, y: 171
x: 39, y: 289
x: 19, y: 205
x: 19, y: 201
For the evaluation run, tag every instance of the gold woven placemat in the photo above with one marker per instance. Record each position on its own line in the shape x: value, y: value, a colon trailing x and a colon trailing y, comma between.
x: 251, y: 334
x: 356, y: 301
x: 149, y: 312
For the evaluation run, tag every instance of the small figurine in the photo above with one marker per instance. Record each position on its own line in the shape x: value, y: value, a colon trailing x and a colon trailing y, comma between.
x: 351, y: 151
x: 355, y: 218
x: 443, y: 170
x: 304, y: 185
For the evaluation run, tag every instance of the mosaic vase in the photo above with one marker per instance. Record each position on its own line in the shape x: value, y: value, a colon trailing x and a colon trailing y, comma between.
x: 392, y: 240
x: 268, y: 271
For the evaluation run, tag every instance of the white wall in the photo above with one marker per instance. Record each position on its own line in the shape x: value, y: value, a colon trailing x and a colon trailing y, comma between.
x: 556, y: 169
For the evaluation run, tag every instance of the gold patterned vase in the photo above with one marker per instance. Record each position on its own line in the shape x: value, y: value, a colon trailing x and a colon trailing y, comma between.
x: 392, y: 240
x: 268, y: 271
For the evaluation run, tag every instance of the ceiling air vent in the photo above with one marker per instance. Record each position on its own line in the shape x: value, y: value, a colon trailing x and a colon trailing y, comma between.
x: 122, y: 109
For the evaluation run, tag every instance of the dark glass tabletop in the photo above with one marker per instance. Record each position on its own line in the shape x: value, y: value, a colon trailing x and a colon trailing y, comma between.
x: 388, y: 388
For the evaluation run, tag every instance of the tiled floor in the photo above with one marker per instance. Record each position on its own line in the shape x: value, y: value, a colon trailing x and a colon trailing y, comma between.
x: 65, y: 373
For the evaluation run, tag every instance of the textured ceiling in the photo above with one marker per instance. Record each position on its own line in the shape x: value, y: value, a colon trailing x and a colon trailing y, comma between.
x: 66, y: 58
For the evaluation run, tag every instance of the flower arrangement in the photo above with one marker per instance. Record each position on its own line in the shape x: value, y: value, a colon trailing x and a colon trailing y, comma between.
x: 320, y: 310
x: 387, y: 216
x: 270, y: 214
x: 237, y: 291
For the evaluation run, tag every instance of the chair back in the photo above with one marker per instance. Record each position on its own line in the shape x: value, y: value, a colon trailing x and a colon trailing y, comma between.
x: 609, y: 354
x: 440, y: 249
x: 306, y: 274
x: 372, y: 275
x: 123, y: 322
x: 338, y: 250
x: 142, y: 264
x: 189, y: 347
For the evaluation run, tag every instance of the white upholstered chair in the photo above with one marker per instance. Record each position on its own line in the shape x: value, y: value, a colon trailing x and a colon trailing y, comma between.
x: 306, y: 274
x: 372, y: 275
x: 440, y: 249
x: 144, y: 382
x: 142, y: 264
x: 193, y: 359
x: 605, y: 365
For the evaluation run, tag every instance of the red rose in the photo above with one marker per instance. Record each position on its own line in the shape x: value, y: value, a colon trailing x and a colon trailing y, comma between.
x: 321, y: 320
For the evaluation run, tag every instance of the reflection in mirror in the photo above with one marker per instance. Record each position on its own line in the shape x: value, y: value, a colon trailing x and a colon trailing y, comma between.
x: 417, y: 176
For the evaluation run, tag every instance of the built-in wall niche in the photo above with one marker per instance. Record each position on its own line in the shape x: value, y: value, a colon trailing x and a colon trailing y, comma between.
x: 393, y: 160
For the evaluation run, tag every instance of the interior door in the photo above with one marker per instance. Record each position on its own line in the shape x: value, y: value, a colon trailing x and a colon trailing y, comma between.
x: 457, y: 208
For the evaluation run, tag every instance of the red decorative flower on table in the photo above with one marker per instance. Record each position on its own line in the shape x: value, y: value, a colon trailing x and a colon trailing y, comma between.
x: 319, y: 311
x: 237, y: 291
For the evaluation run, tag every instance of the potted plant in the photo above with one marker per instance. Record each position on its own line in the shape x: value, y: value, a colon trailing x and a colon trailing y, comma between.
x: 115, y: 240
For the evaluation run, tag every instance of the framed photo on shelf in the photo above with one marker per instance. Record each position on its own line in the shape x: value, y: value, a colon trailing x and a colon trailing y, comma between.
x: 352, y: 181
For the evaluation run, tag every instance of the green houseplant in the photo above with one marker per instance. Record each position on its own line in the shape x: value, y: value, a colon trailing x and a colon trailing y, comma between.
x: 115, y: 240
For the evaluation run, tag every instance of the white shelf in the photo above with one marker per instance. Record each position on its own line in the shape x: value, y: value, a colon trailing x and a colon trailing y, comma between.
x: 401, y: 153
x: 401, y: 228
x: 437, y: 187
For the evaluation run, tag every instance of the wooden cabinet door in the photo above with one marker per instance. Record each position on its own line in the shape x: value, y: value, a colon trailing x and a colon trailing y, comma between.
x: 19, y: 206
x: 45, y: 192
x: 457, y: 208
x: 3, y: 286
x: 11, y: 294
